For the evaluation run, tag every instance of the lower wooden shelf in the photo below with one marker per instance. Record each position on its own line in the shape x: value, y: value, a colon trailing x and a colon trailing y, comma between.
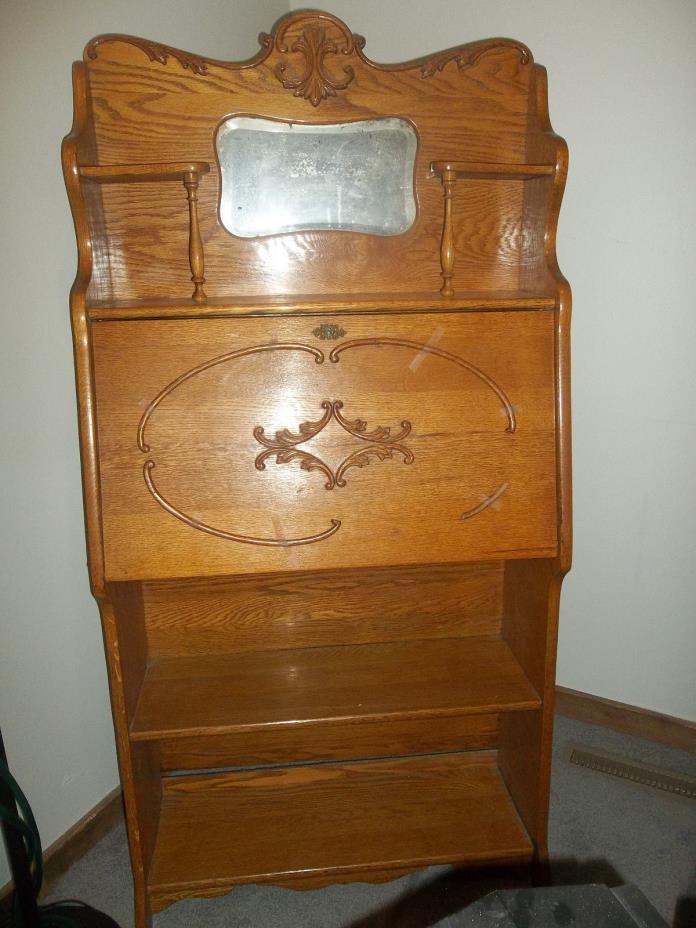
x: 296, y: 825
x: 264, y: 690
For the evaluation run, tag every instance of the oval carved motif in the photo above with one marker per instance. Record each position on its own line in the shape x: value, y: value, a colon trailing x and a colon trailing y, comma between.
x: 149, y: 465
x: 336, y: 353
x: 508, y: 408
x: 357, y: 427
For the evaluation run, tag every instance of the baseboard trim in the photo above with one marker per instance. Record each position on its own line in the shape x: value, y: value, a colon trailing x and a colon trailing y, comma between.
x: 75, y: 843
x: 631, y: 720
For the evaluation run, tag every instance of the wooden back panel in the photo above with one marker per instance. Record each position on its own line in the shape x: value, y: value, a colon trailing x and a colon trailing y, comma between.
x: 192, y: 617
x: 155, y: 104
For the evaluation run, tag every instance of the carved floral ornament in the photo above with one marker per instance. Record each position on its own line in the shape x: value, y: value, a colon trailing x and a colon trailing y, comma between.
x: 379, y: 443
x: 318, y: 40
x: 312, y: 48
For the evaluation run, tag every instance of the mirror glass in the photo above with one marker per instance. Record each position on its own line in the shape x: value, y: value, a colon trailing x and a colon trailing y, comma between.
x: 286, y: 177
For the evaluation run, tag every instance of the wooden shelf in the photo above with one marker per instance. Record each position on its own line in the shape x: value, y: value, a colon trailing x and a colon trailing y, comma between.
x: 289, y: 825
x: 167, y: 170
x: 131, y: 173
x: 490, y: 170
x: 266, y: 690
x: 314, y: 304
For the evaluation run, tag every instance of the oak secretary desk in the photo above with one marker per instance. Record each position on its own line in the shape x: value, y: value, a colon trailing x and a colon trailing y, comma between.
x: 322, y: 347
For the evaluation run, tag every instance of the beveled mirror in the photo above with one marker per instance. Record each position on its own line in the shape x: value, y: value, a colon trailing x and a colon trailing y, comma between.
x: 288, y: 177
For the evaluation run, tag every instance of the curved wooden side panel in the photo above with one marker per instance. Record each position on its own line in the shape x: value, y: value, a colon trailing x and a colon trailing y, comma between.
x: 544, y: 197
x: 79, y: 145
x: 532, y: 588
x: 125, y: 654
x: 555, y: 149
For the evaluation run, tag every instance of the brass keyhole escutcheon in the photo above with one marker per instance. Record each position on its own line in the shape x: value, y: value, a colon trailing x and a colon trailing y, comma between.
x: 328, y: 331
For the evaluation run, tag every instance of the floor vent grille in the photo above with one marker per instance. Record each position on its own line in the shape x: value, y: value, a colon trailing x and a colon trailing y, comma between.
x: 657, y: 779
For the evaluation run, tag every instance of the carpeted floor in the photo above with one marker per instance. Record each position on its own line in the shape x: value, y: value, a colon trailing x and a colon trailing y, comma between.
x: 603, y: 830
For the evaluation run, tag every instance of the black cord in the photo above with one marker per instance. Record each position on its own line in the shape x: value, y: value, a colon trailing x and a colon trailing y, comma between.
x: 16, y: 816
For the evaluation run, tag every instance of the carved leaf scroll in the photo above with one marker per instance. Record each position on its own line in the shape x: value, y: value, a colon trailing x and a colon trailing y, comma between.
x: 364, y: 457
x: 283, y: 446
x: 465, y: 56
x: 155, y: 51
x: 285, y: 439
x: 358, y: 428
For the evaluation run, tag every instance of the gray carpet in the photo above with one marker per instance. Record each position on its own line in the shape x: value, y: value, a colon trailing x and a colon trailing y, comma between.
x: 602, y: 830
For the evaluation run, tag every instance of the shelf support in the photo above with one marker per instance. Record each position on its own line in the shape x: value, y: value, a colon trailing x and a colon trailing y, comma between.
x: 449, y: 179
x: 189, y: 172
x: 196, y: 259
x: 449, y: 172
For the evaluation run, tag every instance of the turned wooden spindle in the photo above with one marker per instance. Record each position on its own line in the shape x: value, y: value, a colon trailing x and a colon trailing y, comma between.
x: 191, y: 180
x: 449, y: 178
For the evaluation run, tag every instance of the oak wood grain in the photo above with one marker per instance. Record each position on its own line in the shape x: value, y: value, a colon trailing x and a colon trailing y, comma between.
x: 138, y: 763
x: 309, y: 304
x: 92, y: 254
x: 198, y: 391
x: 130, y: 173
x: 540, y: 269
x: 130, y: 640
x: 336, y: 740
x: 156, y: 111
x: 530, y: 626
x: 294, y: 823
x: 437, y: 433
x: 148, y: 263
x: 491, y: 169
x: 203, y: 616
x: 222, y: 693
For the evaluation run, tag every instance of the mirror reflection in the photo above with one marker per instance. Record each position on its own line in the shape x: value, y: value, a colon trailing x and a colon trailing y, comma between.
x: 286, y: 177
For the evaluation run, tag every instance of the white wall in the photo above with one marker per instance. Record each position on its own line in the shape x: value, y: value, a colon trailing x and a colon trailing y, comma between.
x: 621, y: 79
x: 54, y: 708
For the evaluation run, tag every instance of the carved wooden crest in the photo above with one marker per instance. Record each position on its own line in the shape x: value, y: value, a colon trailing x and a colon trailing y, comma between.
x: 309, y: 41
x: 311, y: 47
